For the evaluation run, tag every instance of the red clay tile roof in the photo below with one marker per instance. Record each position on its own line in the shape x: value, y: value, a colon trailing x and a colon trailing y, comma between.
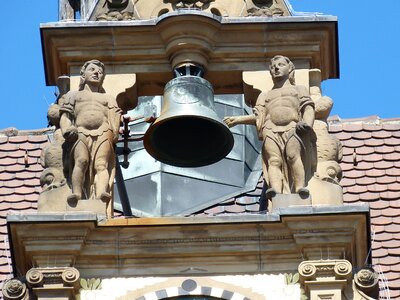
x: 371, y: 167
x: 20, y: 171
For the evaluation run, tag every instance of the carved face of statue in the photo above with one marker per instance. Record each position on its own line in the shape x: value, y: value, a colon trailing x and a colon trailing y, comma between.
x: 280, y: 67
x: 93, y: 74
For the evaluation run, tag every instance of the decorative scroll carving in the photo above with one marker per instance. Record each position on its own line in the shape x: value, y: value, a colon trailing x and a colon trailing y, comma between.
x: 38, y: 277
x: 366, y: 285
x: 325, y: 279
x: 284, y: 117
x: 193, y: 4
x: 82, y: 153
x: 14, y: 289
x: 333, y: 269
x: 116, y: 10
x: 64, y: 282
x: 266, y: 8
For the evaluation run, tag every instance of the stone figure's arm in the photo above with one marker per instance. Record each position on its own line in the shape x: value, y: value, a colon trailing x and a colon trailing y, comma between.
x: 256, y: 119
x: 115, y: 117
x: 309, y: 115
x: 236, y: 120
x: 68, y: 129
x: 307, y: 109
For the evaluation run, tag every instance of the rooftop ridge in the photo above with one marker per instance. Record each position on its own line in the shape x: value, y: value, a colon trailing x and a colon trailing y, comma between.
x: 374, y: 119
x: 12, y: 131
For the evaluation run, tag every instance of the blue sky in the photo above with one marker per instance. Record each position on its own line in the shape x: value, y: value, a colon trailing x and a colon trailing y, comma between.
x: 369, y: 43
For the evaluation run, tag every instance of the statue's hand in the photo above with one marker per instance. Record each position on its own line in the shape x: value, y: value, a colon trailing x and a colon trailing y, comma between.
x: 303, y: 128
x: 71, y: 134
x: 230, y: 121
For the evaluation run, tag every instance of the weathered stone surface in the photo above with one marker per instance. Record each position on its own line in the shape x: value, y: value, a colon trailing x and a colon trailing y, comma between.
x: 191, y: 246
x: 284, y: 117
x: 80, y: 164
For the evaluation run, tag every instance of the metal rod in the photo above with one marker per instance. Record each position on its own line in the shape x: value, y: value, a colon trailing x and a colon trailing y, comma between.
x: 123, y: 194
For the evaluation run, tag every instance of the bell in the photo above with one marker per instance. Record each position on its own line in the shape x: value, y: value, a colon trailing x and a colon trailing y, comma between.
x: 188, y: 132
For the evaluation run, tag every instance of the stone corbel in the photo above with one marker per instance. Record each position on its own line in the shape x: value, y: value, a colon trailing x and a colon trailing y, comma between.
x: 366, y: 285
x: 54, y: 283
x: 14, y: 289
x: 325, y: 279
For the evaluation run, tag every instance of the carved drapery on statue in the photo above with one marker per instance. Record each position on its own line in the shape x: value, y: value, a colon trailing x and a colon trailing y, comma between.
x: 299, y: 154
x: 284, y: 117
x: 80, y: 163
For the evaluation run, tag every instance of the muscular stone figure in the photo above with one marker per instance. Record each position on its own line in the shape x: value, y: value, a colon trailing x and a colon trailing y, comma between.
x: 89, y: 122
x: 284, y: 117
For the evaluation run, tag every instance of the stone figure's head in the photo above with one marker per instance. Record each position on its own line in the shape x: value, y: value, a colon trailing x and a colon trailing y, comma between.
x: 92, y: 71
x: 281, y: 66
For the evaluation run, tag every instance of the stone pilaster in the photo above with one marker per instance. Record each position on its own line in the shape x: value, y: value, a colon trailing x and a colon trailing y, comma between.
x: 325, y: 279
x: 14, y: 289
x: 53, y: 283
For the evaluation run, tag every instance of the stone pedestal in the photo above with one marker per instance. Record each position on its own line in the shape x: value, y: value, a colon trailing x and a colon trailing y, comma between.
x: 287, y: 200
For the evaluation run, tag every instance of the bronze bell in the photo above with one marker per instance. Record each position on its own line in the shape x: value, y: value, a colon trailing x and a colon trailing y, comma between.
x: 188, y: 132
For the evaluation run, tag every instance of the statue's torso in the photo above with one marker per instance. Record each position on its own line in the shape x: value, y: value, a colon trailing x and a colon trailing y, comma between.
x: 282, y: 106
x: 91, y: 110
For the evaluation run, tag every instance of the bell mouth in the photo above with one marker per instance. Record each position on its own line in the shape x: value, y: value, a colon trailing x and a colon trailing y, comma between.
x: 188, y: 141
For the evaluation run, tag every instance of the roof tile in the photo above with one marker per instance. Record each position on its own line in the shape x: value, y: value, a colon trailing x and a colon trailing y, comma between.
x: 390, y: 126
x: 354, y: 143
x: 362, y: 135
x: 383, y: 164
x: 393, y: 228
x: 392, y: 141
x: 352, y: 127
x: 391, y: 195
x: 17, y: 139
x: 386, y: 180
x: 365, y: 180
x: 38, y: 138
x: 374, y: 142
x: 375, y: 172
x: 373, y: 157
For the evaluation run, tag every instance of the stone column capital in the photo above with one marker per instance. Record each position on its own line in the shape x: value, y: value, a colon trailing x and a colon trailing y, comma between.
x: 58, y: 283
x: 325, y: 279
x: 14, y: 289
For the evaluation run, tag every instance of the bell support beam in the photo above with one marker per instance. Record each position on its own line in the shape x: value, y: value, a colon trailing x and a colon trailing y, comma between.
x: 228, y: 46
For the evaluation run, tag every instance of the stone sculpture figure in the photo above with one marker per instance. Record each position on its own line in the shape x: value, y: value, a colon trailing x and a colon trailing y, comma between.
x: 89, y: 122
x: 284, y: 117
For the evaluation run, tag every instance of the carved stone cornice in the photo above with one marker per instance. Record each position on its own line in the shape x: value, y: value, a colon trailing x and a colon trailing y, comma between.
x: 225, y: 46
x: 14, y: 289
x: 182, y: 245
x: 54, y: 282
